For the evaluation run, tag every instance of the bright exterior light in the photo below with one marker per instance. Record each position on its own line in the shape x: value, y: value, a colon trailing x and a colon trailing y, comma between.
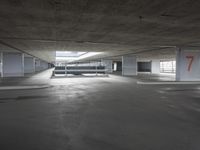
x: 70, y: 56
x: 89, y: 54
x: 168, y: 66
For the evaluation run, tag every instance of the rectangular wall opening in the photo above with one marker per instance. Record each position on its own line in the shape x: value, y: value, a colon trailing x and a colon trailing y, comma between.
x: 168, y: 66
x: 144, y: 66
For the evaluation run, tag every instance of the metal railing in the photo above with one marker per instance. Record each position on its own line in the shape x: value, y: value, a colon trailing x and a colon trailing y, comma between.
x: 78, y: 70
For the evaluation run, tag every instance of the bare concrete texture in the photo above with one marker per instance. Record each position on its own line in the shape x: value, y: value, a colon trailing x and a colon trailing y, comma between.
x: 116, y: 27
x: 112, y: 113
x: 149, y: 77
x: 39, y: 78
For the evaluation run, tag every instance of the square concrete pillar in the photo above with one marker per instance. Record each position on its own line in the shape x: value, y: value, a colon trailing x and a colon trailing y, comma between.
x: 29, y: 65
x: 155, y: 66
x: 13, y: 64
x: 108, y: 65
x: 188, y: 65
x: 49, y: 65
x: 1, y: 59
x: 129, y: 65
x: 37, y: 65
x: 43, y: 65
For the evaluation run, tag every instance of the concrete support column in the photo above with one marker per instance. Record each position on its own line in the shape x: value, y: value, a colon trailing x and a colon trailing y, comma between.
x: 108, y: 65
x: 29, y: 65
x: 155, y: 66
x: 44, y: 65
x: 49, y: 65
x: 188, y: 65
x: 1, y: 59
x: 129, y: 65
x: 13, y: 64
x: 37, y: 65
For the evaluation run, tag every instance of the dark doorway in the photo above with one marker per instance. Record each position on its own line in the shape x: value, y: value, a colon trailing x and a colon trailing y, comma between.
x: 144, y: 66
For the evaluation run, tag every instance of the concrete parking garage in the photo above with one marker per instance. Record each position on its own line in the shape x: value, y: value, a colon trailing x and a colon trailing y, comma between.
x: 111, y: 75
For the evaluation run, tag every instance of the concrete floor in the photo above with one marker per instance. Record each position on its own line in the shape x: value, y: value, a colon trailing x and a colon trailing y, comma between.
x: 104, y: 113
x: 156, y: 77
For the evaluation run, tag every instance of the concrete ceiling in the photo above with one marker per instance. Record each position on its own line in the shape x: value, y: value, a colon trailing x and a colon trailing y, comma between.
x: 115, y: 27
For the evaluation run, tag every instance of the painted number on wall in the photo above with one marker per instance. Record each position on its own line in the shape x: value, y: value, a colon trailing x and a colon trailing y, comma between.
x: 190, y: 60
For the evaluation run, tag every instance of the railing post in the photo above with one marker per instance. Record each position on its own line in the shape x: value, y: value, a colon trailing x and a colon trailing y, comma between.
x: 96, y: 69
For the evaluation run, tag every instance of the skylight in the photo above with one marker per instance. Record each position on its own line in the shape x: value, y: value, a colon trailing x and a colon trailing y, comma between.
x: 69, y: 53
x: 70, y: 56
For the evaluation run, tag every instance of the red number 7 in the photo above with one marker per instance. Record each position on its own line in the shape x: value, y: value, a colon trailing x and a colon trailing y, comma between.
x: 190, y: 58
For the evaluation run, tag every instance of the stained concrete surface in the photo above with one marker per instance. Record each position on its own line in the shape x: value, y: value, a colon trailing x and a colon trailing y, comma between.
x: 163, y: 77
x: 112, y: 113
x: 115, y: 27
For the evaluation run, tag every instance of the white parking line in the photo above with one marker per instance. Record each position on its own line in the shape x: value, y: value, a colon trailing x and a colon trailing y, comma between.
x: 23, y: 87
x: 167, y: 82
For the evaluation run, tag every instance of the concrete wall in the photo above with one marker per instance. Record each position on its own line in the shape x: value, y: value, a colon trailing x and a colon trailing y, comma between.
x: 129, y: 65
x: 188, y: 65
x: 155, y: 66
x: 29, y: 65
x: 13, y: 64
